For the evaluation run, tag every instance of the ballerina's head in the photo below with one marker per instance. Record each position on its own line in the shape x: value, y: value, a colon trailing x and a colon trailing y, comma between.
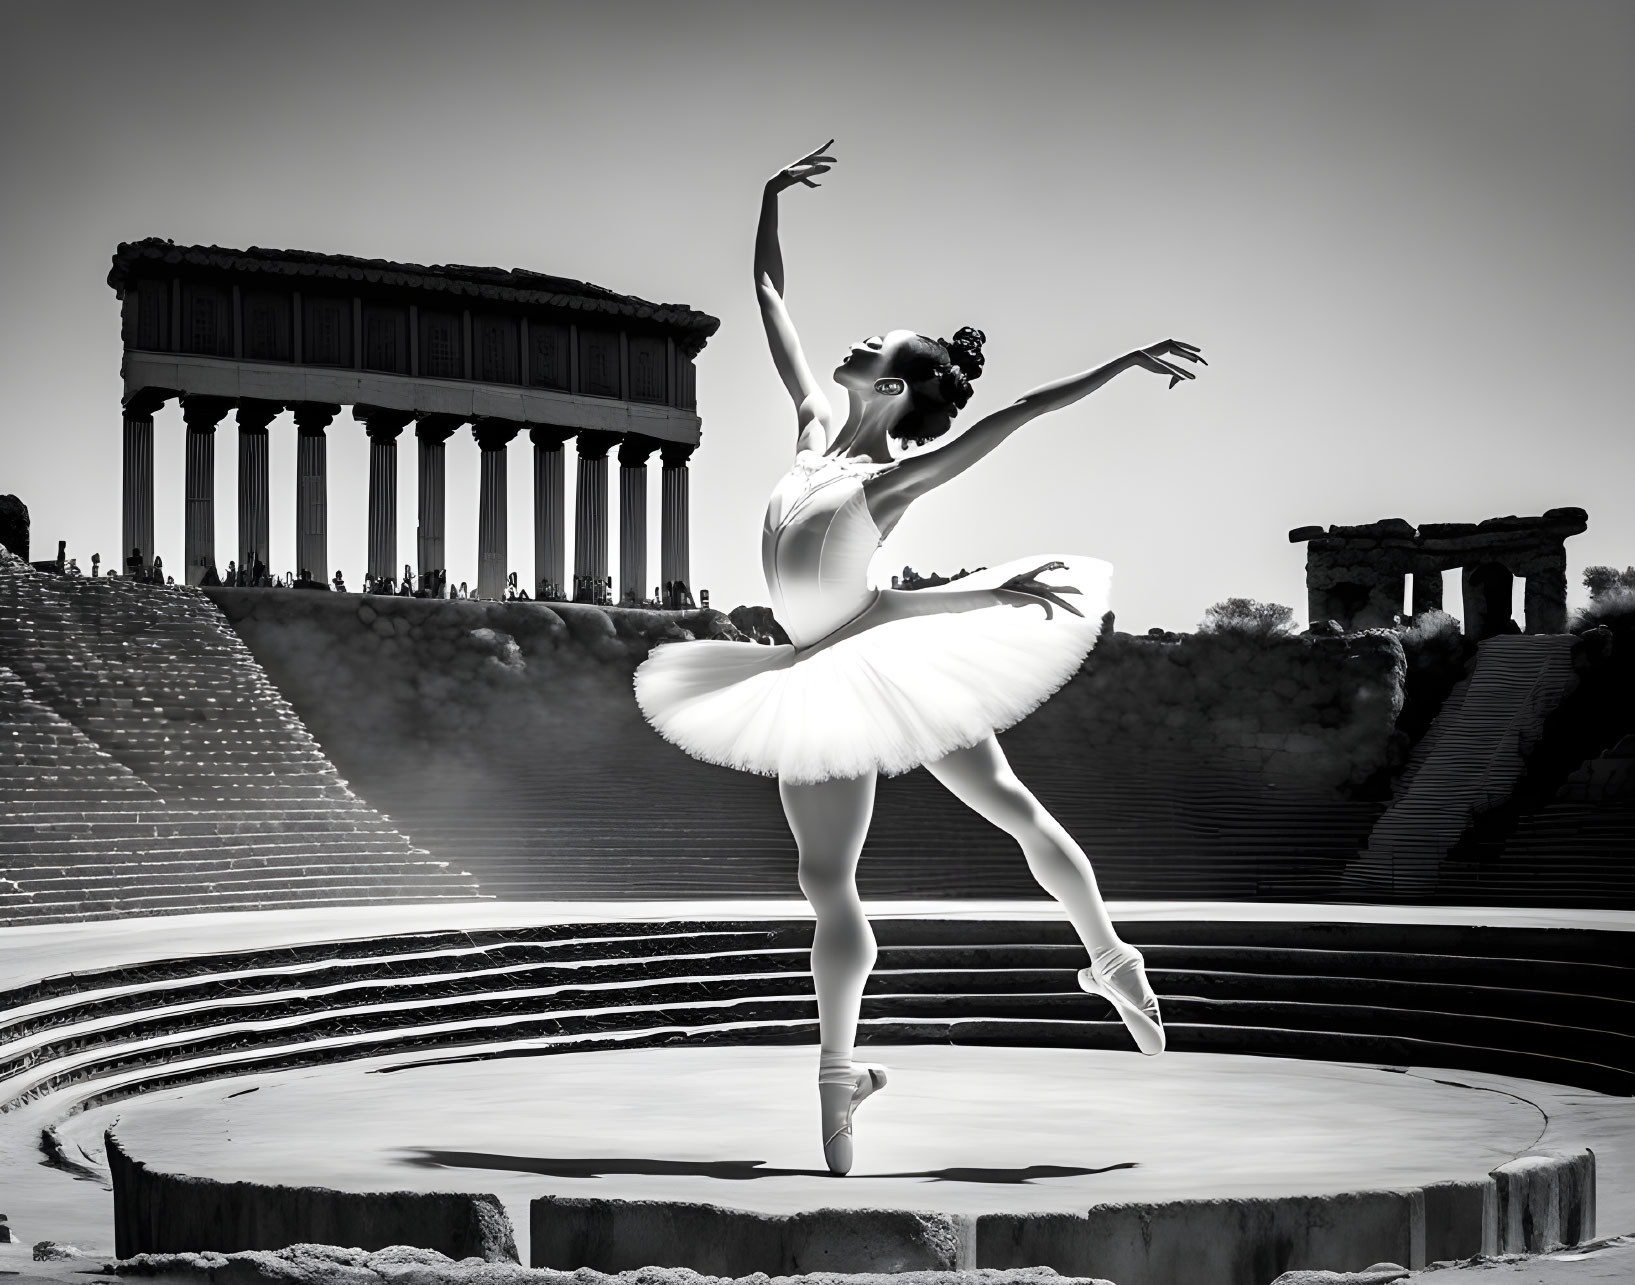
x: 919, y: 382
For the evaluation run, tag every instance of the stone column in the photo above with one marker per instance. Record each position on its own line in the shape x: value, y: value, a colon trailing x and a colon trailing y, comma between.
x: 432, y: 431
x: 550, y: 510
x: 493, y: 435
x: 1316, y: 598
x: 1427, y: 591
x: 673, y: 559
x: 383, y: 427
x: 1544, y: 594
x: 633, y: 453
x: 254, y: 491
x: 312, y: 488
x: 590, y: 515
x: 201, y: 414
x: 137, y: 527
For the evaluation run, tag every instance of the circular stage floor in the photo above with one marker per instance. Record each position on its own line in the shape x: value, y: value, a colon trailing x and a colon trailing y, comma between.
x: 957, y: 1130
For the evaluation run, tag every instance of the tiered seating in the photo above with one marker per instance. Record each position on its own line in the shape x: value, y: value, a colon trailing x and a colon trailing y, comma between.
x: 1550, y: 1004
x: 147, y: 765
x: 1469, y: 760
x: 1582, y: 840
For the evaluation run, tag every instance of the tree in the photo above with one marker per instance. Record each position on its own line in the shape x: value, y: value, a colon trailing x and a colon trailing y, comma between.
x: 1246, y: 616
x: 758, y: 623
x: 1602, y: 581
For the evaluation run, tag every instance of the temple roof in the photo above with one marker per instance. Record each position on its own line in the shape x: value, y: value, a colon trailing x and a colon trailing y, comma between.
x: 501, y: 285
x: 1557, y: 522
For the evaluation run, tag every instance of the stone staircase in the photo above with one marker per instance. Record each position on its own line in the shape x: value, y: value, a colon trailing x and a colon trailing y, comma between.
x: 1548, y: 1004
x: 1469, y: 761
x: 147, y: 765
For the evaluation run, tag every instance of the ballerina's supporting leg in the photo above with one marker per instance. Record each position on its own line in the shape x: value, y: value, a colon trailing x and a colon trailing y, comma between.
x: 830, y: 820
x: 982, y: 779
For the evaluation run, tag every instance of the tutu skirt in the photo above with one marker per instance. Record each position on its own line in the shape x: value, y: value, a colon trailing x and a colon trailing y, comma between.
x: 898, y: 694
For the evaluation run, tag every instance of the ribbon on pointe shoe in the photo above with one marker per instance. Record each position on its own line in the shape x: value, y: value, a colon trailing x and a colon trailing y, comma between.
x: 837, y: 1147
x: 1118, y: 975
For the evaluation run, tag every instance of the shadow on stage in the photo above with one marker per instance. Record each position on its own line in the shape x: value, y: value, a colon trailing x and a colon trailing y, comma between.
x: 728, y: 1170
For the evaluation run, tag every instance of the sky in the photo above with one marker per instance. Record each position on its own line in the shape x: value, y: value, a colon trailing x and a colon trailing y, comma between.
x: 1401, y: 234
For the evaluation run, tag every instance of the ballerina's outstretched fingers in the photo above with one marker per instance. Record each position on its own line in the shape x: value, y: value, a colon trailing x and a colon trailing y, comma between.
x: 1152, y: 358
x: 802, y: 171
x: 1026, y: 589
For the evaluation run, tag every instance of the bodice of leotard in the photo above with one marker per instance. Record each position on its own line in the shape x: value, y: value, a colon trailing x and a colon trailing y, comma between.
x: 817, y: 542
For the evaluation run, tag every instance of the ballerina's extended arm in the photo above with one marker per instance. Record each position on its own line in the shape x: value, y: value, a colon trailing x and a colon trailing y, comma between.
x: 913, y: 477
x: 812, y: 413
x: 1022, y: 590
x: 892, y: 490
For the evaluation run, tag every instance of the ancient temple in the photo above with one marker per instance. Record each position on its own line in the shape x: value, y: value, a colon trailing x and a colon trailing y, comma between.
x: 254, y: 332
x: 1355, y: 574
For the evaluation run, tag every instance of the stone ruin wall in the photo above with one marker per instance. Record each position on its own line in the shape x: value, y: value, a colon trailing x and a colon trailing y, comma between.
x: 1355, y: 575
x: 1318, y: 709
x: 508, y: 733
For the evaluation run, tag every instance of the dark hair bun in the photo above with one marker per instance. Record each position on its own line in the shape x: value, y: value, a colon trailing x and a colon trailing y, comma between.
x: 965, y: 364
x: 966, y: 350
x: 939, y: 374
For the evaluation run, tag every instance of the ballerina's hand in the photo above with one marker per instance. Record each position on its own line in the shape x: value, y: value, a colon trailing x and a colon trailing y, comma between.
x: 815, y: 162
x: 1027, y: 589
x: 1152, y: 358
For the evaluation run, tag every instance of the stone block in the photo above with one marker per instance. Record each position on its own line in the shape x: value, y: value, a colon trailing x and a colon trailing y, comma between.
x: 622, y: 1235
x: 14, y: 526
x: 1211, y: 1242
x: 1543, y: 1199
x: 170, y: 1213
x: 1461, y: 1219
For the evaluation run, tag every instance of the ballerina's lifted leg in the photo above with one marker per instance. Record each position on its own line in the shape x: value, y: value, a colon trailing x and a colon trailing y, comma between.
x: 982, y: 779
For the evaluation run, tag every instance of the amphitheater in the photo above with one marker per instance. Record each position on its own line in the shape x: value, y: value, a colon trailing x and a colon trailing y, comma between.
x: 366, y: 920
x: 245, y: 1009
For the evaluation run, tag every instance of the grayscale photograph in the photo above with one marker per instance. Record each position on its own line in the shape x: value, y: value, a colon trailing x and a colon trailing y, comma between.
x: 832, y: 643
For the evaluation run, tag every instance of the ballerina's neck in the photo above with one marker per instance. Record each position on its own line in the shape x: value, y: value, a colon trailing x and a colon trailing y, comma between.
x: 866, y: 433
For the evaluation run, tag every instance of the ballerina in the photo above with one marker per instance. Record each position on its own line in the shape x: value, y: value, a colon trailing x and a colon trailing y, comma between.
x: 885, y: 680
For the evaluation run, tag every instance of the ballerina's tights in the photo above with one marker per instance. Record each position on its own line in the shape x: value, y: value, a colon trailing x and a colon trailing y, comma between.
x: 830, y: 820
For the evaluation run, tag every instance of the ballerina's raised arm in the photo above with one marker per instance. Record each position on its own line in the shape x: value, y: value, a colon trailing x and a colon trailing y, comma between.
x: 813, y: 416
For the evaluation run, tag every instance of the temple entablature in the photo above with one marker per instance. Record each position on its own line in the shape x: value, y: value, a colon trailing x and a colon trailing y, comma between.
x: 439, y: 347
x: 1355, y: 574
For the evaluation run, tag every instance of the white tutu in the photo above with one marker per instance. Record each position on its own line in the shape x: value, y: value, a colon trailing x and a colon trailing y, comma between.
x: 886, y: 700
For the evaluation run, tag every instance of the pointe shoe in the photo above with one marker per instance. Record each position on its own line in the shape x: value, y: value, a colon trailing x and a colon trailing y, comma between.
x: 837, y: 1147
x: 1118, y: 975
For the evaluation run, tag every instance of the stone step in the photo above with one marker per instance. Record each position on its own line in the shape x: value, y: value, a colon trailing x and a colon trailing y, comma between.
x: 96, y: 1081
x: 59, y: 844
x: 1589, y: 1041
x: 437, y: 951
x: 481, y: 969
x: 148, y: 808
x: 129, y: 875
x: 81, y: 911
x: 203, y: 857
x: 47, y: 912
x: 44, y: 788
x: 760, y: 996
x: 135, y: 879
x: 1567, y: 961
x: 485, y: 972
